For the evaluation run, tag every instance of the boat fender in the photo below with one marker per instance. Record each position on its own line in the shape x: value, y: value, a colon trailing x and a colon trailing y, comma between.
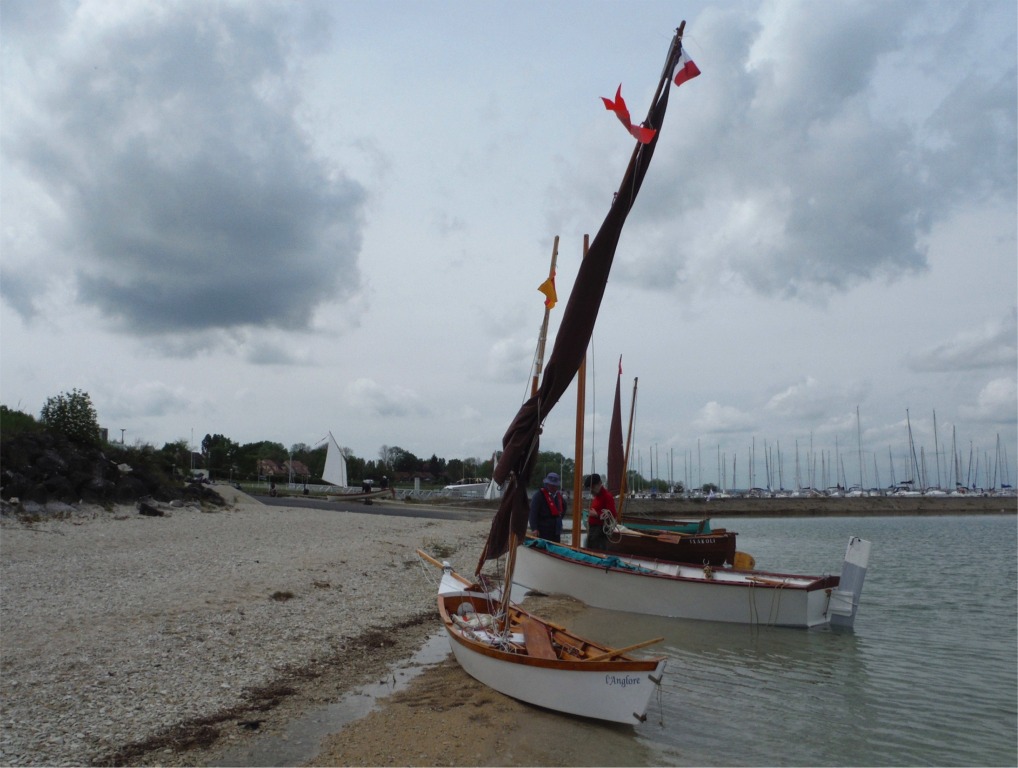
x: 744, y: 561
x: 474, y: 620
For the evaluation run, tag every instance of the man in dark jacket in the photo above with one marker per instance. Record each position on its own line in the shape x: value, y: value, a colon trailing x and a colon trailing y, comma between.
x: 546, y: 509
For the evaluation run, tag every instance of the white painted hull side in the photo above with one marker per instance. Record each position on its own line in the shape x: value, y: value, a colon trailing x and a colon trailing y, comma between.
x: 741, y: 601
x: 621, y: 697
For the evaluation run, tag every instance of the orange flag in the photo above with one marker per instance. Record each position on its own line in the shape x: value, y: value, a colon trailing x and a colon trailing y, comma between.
x: 548, y: 289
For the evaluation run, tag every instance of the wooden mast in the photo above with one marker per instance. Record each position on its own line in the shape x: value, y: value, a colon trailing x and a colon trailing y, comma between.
x: 543, y: 335
x: 581, y: 395
x: 510, y: 566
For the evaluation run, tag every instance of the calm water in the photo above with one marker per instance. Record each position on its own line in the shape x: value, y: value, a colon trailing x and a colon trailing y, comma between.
x: 928, y: 677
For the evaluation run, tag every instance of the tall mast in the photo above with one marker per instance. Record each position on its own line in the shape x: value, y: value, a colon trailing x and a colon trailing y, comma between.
x: 936, y: 447
x: 542, y: 337
x: 535, y: 382
x: 581, y: 396
x: 625, y: 461
x: 858, y: 435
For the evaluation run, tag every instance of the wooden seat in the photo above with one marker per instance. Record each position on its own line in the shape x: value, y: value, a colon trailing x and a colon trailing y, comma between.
x: 538, y: 639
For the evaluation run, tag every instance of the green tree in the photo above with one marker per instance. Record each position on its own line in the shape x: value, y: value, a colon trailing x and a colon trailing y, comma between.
x: 435, y: 466
x: 176, y: 457
x: 401, y: 460
x: 220, y: 455
x: 72, y: 415
x: 454, y: 471
x: 15, y: 422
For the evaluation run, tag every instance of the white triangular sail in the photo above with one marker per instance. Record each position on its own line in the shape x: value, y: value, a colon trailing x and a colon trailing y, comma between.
x: 494, y: 490
x: 335, y: 465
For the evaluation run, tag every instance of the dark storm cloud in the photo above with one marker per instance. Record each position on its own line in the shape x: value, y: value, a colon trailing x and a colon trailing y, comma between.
x: 190, y: 196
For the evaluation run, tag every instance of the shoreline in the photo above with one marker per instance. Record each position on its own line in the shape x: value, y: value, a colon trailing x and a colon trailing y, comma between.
x: 130, y: 639
x: 177, y: 640
x: 871, y: 506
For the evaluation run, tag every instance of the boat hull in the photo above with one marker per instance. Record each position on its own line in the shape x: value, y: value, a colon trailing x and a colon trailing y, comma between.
x: 616, y: 689
x: 683, y: 591
x: 715, y: 548
x: 669, y: 526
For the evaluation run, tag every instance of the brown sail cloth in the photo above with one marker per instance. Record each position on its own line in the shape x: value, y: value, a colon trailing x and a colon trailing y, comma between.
x: 615, y: 449
x: 520, y: 443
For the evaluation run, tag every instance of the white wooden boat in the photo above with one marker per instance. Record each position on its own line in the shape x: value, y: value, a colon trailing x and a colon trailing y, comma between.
x: 540, y: 663
x: 693, y: 592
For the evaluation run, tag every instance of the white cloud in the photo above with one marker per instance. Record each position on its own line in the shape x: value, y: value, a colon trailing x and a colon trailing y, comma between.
x: 368, y: 396
x: 715, y: 418
x: 992, y: 345
x: 997, y: 402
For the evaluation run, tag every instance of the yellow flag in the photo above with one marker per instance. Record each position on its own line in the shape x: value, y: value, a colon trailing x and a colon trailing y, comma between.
x: 548, y: 289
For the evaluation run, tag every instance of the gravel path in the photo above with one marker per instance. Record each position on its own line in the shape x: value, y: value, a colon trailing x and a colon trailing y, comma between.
x: 127, y: 639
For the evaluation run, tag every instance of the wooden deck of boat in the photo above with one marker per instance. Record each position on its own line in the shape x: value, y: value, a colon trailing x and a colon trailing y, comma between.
x: 538, y: 639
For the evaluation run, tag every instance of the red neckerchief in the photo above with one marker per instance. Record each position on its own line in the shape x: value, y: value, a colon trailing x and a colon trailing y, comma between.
x: 553, y: 506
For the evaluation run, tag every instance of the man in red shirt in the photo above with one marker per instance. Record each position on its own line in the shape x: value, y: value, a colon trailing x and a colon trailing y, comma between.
x: 602, y: 505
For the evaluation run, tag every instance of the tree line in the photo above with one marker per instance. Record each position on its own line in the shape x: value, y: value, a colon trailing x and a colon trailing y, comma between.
x: 72, y: 415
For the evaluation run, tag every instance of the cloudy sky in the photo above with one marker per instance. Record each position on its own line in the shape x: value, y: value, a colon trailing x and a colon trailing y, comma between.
x: 274, y: 219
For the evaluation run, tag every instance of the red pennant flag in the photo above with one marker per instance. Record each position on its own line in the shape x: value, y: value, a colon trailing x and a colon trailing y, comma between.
x: 685, y: 69
x: 638, y: 132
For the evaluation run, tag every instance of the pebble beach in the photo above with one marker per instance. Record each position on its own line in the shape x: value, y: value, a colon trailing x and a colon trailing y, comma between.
x: 182, y: 639
x: 129, y: 639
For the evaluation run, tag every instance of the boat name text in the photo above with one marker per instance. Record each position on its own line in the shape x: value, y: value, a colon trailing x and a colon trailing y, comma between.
x: 625, y: 681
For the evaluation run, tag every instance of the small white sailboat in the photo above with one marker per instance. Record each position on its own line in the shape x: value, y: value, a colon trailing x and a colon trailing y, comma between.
x: 335, y: 473
x: 335, y: 464
x: 539, y: 662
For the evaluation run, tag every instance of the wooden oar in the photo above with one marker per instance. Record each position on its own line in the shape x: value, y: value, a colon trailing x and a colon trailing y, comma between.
x: 441, y: 566
x: 627, y: 649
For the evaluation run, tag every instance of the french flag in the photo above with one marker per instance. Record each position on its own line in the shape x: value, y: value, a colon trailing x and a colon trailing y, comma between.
x: 685, y: 69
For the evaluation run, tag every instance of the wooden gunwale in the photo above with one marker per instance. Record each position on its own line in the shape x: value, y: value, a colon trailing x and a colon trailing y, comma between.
x: 586, y: 649
x: 754, y: 579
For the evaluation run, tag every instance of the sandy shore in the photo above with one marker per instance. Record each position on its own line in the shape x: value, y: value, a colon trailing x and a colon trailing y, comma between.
x: 132, y: 640
x: 161, y: 640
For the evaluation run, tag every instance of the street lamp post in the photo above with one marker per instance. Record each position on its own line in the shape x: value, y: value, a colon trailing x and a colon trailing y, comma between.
x: 122, y: 431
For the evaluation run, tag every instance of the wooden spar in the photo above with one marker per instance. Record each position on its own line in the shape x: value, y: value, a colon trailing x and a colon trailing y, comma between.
x: 510, y: 565
x: 625, y: 460
x: 543, y: 336
x: 581, y: 396
x: 669, y: 64
x: 441, y: 566
x: 619, y: 651
x: 507, y: 582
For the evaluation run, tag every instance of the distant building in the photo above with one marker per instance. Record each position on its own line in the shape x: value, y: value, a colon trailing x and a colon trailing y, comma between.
x: 299, y: 468
x: 270, y: 468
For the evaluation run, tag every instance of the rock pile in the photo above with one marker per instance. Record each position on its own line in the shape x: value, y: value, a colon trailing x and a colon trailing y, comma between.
x: 42, y: 468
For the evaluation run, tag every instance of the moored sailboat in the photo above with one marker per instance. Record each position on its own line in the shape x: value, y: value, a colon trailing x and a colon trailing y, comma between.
x: 656, y: 588
x: 675, y: 541
x: 495, y: 641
